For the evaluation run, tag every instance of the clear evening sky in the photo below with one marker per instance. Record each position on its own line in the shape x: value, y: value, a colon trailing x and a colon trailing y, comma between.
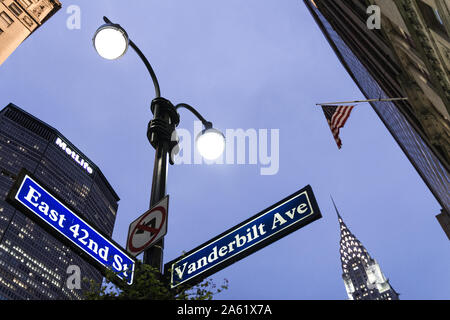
x: 243, y: 64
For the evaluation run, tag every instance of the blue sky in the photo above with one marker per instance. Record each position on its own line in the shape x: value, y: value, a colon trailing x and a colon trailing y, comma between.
x: 243, y: 64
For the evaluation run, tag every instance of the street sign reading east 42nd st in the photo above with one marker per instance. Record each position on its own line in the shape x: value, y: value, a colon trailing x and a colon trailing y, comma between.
x: 32, y: 198
x: 249, y: 236
x: 146, y: 230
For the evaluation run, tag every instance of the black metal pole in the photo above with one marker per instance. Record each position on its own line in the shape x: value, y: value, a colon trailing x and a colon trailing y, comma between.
x: 149, y: 68
x: 160, y: 129
x: 154, y: 255
x: 143, y: 58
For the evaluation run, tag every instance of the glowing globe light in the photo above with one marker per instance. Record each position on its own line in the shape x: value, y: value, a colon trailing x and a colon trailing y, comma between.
x: 210, y: 144
x: 111, y: 41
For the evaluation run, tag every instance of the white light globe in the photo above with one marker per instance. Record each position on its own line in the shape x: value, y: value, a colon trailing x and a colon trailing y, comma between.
x: 210, y: 144
x: 111, y: 42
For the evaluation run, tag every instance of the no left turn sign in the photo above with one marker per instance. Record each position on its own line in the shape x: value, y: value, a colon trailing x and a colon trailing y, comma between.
x: 146, y: 230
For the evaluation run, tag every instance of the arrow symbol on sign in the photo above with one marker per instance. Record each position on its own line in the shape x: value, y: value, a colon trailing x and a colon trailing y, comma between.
x: 148, y: 226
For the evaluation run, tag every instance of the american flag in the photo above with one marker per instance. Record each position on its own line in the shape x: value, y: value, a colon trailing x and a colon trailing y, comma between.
x: 336, y: 117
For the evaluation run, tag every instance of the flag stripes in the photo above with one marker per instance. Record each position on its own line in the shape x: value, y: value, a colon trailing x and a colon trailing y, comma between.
x: 336, y: 117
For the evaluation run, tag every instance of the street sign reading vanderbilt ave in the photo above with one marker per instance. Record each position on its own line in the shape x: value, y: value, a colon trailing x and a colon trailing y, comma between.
x: 31, y: 197
x: 249, y: 236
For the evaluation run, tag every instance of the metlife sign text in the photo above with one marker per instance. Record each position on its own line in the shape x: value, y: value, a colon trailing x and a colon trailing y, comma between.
x: 75, y: 156
x: 50, y: 213
x: 251, y: 235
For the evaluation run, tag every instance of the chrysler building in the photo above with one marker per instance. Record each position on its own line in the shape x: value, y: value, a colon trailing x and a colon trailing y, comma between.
x: 361, y: 273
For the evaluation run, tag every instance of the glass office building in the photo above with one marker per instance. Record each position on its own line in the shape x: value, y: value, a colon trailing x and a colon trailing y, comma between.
x: 34, y: 264
x: 417, y: 125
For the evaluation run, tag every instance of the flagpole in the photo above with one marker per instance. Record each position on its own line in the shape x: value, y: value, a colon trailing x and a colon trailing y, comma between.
x: 361, y: 101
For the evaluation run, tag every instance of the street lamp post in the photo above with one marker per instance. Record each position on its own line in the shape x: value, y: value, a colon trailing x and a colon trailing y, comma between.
x: 111, y: 42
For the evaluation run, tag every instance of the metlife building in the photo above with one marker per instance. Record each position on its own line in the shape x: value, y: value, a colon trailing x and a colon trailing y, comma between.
x: 33, y: 263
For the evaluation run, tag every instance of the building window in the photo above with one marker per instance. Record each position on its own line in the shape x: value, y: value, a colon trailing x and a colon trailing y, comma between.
x: 28, y: 21
x: 7, y: 19
x: 26, y: 3
x: 438, y: 16
x: 432, y: 18
x: 15, y: 9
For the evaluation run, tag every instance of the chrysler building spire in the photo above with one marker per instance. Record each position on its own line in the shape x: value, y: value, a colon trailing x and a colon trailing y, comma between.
x: 361, y: 273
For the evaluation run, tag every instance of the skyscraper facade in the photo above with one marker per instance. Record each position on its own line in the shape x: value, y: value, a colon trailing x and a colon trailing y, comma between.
x: 19, y: 19
x: 34, y: 264
x: 361, y: 273
x: 406, y: 55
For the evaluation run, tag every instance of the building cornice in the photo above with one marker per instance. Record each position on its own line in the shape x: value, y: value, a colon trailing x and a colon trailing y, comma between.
x: 427, y: 49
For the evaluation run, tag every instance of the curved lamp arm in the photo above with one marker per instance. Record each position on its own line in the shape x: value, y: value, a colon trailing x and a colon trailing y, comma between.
x: 207, y: 124
x: 146, y: 62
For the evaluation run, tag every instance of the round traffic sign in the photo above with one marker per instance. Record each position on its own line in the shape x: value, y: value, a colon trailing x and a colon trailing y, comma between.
x: 148, y: 229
